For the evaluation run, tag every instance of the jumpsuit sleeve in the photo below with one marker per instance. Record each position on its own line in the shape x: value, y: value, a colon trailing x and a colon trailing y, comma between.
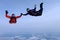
x: 18, y: 16
x: 7, y: 16
x: 25, y: 14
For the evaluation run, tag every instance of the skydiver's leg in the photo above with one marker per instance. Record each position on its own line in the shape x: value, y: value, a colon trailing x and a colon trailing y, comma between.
x: 41, y: 9
x: 41, y: 5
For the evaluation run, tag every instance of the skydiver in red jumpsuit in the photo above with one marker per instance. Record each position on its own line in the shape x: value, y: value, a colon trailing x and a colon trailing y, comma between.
x: 13, y: 18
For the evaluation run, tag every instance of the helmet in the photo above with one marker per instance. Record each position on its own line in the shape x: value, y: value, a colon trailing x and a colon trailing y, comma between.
x: 13, y: 15
x: 27, y: 9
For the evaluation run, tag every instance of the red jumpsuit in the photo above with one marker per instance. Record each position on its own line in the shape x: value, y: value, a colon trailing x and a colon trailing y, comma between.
x: 12, y: 19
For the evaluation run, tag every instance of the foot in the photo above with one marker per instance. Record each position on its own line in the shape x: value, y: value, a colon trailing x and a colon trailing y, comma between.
x: 41, y: 5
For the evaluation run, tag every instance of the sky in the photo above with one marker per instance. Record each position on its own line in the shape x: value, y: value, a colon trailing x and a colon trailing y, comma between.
x: 48, y: 22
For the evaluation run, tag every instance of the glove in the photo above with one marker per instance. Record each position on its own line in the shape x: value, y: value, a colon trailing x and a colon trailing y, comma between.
x: 6, y: 12
x: 21, y: 14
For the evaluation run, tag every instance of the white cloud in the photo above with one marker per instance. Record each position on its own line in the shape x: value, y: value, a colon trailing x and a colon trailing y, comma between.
x: 33, y: 38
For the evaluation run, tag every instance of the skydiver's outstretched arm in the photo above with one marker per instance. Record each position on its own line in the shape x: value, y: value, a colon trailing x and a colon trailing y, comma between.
x: 19, y: 16
x: 25, y: 14
x: 7, y: 14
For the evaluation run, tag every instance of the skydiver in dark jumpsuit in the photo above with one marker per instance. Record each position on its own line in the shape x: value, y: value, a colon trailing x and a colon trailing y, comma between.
x: 33, y: 12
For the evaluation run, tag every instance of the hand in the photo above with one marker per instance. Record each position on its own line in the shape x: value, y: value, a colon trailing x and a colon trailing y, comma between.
x: 6, y: 12
x: 21, y: 14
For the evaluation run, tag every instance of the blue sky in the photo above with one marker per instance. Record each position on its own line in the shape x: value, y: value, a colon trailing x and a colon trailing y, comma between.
x: 48, y: 22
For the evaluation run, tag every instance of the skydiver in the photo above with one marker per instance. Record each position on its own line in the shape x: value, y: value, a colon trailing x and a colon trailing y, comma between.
x: 13, y: 18
x: 33, y: 12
